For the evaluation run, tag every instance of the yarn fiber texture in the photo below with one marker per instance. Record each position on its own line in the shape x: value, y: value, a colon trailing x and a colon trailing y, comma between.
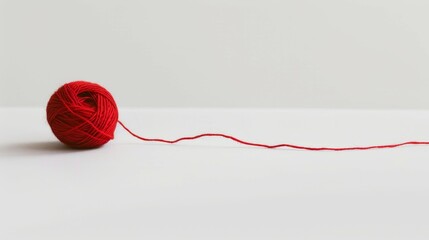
x: 82, y: 114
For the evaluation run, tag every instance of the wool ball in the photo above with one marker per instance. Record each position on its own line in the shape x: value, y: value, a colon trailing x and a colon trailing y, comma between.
x: 82, y: 114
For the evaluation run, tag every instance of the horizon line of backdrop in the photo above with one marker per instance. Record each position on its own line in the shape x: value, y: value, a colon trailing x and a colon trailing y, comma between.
x: 223, y: 53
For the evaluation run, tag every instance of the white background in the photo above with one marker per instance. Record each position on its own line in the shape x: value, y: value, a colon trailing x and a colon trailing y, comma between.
x: 226, y: 53
x: 223, y: 53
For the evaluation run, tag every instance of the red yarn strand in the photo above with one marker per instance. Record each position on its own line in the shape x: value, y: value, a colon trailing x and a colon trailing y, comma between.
x: 271, y: 146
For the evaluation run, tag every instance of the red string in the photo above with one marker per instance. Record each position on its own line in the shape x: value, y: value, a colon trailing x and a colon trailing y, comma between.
x: 271, y: 146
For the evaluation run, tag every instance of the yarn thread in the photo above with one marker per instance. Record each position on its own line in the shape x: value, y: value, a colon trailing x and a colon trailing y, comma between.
x: 270, y: 146
x: 84, y: 115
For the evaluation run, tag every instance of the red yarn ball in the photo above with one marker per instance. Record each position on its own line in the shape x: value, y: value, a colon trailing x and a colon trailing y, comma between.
x: 82, y: 114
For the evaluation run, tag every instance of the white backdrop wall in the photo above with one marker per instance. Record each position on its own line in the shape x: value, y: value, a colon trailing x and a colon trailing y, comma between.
x: 219, y: 53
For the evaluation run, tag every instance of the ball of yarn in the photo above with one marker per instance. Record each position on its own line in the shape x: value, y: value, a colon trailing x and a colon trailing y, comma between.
x: 82, y: 114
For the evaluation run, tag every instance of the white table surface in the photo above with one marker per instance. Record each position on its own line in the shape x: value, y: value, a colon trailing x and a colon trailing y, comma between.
x: 213, y: 188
